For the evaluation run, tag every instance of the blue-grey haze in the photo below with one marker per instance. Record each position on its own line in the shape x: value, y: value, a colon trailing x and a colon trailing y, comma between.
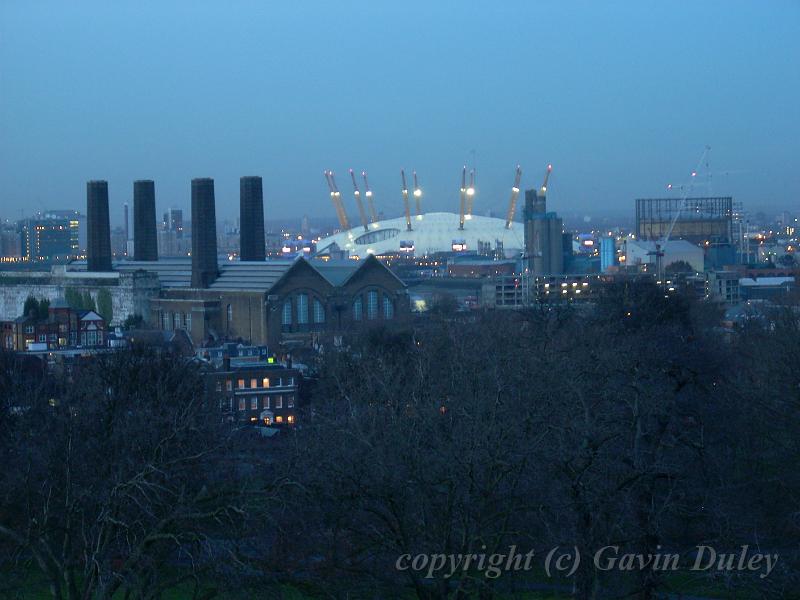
x: 621, y: 97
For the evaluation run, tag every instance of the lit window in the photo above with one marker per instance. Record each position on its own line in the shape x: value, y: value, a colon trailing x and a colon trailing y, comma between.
x: 302, y: 308
x: 278, y: 401
x: 254, y: 383
x: 290, y: 419
x: 372, y: 305
x: 290, y: 401
x: 265, y: 382
x: 287, y: 313
x: 240, y: 384
x: 388, y: 308
x: 279, y: 419
x: 357, y: 309
x: 242, y: 404
x: 254, y: 404
x: 266, y: 401
x: 319, y: 312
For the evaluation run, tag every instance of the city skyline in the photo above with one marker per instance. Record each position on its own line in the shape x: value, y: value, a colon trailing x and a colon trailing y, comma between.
x: 285, y: 93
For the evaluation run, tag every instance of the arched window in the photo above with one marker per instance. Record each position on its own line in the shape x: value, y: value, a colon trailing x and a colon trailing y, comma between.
x: 388, y: 308
x: 286, y: 318
x: 302, y: 309
x: 319, y: 311
x: 372, y: 305
x: 357, y: 309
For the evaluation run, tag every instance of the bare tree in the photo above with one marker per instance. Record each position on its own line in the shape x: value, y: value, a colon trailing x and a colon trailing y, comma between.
x: 124, y: 482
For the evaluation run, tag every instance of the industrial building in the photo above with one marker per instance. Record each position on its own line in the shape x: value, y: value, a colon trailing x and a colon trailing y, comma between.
x: 697, y: 220
x: 282, y: 303
x: 639, y: 252
x: 544, y: 233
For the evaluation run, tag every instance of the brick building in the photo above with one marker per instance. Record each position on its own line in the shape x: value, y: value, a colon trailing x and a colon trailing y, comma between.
x: 263, y: 393
x: 280, y: 304
x: 64, y: 327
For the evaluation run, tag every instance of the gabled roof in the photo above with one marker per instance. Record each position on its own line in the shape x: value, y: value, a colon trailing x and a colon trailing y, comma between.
x: 250, y: 276
x: 336, y: 272
x: 234, y: 276
x: 366, y: 262
x: 89, y: 315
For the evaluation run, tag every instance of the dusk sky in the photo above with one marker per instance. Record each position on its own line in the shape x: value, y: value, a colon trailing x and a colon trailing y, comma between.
x: 621, y: 97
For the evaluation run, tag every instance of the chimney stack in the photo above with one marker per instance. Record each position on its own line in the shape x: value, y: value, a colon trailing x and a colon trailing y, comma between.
x: 251, y: 219
x: 204, y: 233
x: 98, y: 233
x: 145, y: 244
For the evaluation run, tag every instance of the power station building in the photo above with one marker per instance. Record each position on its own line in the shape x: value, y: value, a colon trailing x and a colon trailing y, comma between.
x: 283, y: 304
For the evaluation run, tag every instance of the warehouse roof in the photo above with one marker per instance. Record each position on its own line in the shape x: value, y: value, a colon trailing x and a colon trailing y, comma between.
x: 233, y: 275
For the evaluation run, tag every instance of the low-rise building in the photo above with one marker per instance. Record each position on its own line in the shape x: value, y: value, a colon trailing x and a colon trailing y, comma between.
x: 63, y: 327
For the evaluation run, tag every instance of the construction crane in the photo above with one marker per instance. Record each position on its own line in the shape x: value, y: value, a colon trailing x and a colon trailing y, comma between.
x: 368, y: 193
x: 687, y: 189
x: 359, y: 203
x: 336, y: 198
x: 512, y: 202
x: 406, y: 205
x: 543, y: 189
x: 462, y: 197
x: 470, y: 194
x: 418, y: 197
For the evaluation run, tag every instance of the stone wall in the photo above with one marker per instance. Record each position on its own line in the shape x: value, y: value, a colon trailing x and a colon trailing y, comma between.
x: 130, y: 292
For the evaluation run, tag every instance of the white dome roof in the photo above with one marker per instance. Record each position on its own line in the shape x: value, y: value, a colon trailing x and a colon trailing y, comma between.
x: 431, y: 232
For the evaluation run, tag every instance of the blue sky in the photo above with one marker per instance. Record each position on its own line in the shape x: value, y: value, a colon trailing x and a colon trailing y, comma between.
x: 621, y: 97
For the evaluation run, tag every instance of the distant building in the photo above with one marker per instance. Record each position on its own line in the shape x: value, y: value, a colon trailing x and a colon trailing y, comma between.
x: 765, y: 288
x: 477, y: 266
x: 544, y: 244
x: 47, y: 240
x: 10, y: 243
x: 723, y: 286
x: 431, y: 233
x: 173, y: 221
x: 697, y: 220
x: 643, y: 253
x: 63, y: 327
x: 119, y: 243
x: 608, y: 253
